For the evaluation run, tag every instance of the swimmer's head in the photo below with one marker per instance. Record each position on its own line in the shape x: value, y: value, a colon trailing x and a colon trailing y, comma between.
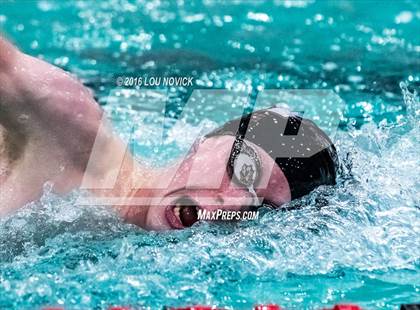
x: 300, y: 148
x: 267, y: 157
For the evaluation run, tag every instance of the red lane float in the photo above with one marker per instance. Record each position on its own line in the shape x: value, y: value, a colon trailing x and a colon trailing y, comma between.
x: 194, y: 308
x: 257, y: 307
x: 267, y: 307
x: 345, y: 307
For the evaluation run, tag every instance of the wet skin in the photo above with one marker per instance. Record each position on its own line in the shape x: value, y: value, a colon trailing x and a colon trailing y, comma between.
x: 201, y: 181
x: 49, y: 123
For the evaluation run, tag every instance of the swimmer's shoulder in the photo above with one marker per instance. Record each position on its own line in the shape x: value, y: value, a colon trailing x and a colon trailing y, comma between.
x: 8, y: 54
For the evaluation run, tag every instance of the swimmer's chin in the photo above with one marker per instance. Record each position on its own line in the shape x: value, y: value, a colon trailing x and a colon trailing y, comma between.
x: 136, y: 215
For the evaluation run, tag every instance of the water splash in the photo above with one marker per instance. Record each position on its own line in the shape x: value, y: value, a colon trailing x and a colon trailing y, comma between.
x: 352, y: 242
x: 341, y: 242
x: 411, y: 101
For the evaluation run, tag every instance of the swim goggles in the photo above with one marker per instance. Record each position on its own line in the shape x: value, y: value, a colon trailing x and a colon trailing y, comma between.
x: 244, y: 164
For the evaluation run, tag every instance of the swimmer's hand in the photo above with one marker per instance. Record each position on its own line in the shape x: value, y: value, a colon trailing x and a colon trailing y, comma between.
x: 48, y: 124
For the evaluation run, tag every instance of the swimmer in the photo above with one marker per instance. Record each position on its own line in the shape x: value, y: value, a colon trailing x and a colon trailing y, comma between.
x: 49, y: 123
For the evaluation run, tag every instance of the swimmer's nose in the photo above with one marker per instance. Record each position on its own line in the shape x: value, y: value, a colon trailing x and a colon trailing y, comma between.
x: 229, y: 201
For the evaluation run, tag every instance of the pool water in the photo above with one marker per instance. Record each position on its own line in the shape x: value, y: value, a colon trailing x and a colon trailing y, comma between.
x: 354, y: 242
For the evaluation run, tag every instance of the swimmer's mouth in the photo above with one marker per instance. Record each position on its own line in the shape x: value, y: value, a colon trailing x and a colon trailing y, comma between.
x: 183, y: 213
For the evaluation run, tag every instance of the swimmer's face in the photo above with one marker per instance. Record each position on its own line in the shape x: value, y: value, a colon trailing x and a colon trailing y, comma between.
x: 202, y: 182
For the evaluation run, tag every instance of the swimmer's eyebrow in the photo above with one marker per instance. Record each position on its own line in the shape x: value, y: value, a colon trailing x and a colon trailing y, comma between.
x: 184, y: 188
x: 179, y: 189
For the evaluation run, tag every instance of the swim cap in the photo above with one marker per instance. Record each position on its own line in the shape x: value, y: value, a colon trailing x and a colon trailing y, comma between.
x: 300, y: 148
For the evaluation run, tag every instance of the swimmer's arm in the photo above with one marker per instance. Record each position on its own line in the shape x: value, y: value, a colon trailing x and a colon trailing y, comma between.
x: 57, y: 121
x: 51, y: 109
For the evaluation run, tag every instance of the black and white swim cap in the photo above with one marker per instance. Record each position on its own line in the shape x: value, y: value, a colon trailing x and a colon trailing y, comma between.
x: 300, y: 148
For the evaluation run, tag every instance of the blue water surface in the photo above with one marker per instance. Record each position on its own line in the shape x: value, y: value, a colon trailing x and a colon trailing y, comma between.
x: 355, y: 242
